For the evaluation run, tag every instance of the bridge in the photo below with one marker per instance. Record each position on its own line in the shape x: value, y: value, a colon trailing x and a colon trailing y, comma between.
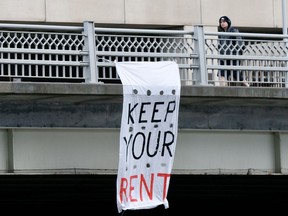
x: 61, y: 103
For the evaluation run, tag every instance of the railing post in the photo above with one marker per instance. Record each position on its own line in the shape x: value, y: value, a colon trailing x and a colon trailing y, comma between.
x: 201, y: 76
x: 10, y: 148
x: 90, y: 72
x: 284, y: 31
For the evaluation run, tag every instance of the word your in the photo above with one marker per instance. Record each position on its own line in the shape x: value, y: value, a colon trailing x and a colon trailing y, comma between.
x: 144, y: 141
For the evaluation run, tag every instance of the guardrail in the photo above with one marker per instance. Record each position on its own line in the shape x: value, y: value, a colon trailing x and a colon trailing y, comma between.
x: 262, y: 63
x: 87, y: 54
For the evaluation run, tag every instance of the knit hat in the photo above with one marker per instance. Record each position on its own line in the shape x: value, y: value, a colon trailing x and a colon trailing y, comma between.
x: 226, y: 19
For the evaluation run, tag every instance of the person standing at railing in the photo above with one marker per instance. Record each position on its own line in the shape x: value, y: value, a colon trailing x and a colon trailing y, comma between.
x: 230, y: 45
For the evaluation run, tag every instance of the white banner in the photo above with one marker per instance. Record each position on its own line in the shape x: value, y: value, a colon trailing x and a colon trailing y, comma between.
x: 148, y: 135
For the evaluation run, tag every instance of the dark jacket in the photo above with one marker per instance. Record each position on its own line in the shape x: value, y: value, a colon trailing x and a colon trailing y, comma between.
x: 230, y: 44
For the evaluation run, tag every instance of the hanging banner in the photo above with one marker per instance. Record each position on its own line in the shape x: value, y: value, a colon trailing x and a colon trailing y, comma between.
x: 148, y: 135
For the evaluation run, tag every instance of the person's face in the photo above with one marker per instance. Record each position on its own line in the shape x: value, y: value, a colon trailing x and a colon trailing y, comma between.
x: 223, y: 24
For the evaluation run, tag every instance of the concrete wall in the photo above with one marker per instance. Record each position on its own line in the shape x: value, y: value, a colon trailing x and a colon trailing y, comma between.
x: 60, y: 128
x: 45, y: 150
x: 246, y: 13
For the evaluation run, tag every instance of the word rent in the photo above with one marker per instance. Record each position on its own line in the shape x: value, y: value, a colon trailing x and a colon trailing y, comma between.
x: 145, y: 187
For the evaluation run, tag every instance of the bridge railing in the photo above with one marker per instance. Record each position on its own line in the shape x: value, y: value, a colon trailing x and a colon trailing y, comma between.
x: 261, y: 59
x: 41, y: 53
x: 47, y: 53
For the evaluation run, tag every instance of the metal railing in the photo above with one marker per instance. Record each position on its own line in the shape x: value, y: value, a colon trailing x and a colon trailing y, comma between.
x: 38, y: 53
x: 87, y: 54
x: 262, y: 62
